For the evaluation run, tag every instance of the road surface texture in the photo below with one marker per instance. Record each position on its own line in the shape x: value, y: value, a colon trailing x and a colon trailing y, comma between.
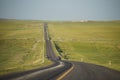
x: 64, y: 70
x: 85, y: 71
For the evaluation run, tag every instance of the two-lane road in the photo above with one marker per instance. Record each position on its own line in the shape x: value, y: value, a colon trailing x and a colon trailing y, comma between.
x: 52, y: 56
x: 50, y: 72
x: 63, y: 70
x: 86, y: 71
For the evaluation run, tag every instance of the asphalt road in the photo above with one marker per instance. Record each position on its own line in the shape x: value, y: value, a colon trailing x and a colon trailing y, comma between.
x: 85, y: 71
x: 52, y: 56
x: 51, y: 72
x: 79, y: 71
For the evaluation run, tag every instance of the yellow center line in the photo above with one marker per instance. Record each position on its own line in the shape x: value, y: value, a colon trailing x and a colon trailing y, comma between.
x: 65, y: 73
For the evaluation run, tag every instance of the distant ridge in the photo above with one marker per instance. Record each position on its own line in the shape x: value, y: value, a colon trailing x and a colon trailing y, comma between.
x: 7, y: 19
x: 66, y: 21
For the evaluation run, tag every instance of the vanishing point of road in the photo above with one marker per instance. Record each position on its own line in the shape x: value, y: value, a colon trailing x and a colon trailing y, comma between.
x: 86, y: 71
x: 64, y: 70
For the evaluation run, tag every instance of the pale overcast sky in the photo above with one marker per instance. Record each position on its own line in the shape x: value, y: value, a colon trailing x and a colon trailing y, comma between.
x: 60, y: 9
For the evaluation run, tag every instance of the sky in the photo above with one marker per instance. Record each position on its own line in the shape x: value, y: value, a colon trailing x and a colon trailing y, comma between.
x: 60, y: 9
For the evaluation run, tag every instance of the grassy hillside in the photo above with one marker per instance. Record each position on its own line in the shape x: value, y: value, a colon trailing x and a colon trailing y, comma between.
x: 93, y: 42
x: 21, y: 45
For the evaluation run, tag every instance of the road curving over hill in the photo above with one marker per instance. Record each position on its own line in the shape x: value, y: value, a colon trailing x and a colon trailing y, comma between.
x: 82, y: 70
x: 64, y: 70
x: 51, y: 72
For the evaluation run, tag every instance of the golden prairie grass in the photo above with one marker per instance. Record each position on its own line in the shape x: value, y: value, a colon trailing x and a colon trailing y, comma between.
x: 93, y: 42
x: 21, y: 45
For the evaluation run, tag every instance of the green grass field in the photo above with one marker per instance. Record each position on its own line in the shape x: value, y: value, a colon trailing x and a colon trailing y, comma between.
x: 21, y: 45
x: 92, y: 42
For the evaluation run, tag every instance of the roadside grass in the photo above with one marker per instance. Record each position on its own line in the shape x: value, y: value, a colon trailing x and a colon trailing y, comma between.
x: 21, y: 46
x: 92, y: 42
